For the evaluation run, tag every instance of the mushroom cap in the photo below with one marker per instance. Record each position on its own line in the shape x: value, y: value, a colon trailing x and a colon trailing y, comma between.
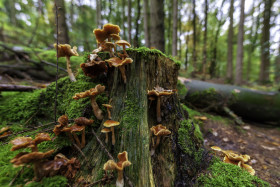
x: 115, y: 37
x: 111, y: 123
x: 216, y: 148
x: 63, y: 120
x: 248, y: 168
x: 236, y: 157
x: 106, y: 130
x: 83, y: 121
x: 65, y: 50
x: 77, y: 128
x: 123, y: 43
x: 123, y: 162
x: 108, y: 46
x: 108, y: 29
x: 21, y: 142
x: 41, y: 137
x: 4, y: 129
x: 159, y: 91
x: 25, y: 158
x: 90, y: 93
x: 107, y: 106
x: 160, y: 130
x: 227, y: 160
x: 94, y: 68
x: 116, y: 62
x: 57, y: 130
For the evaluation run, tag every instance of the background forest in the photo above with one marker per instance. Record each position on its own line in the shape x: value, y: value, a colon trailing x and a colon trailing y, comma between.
x: 236, y: 41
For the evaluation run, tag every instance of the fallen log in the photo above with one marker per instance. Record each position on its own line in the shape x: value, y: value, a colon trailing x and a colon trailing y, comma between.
x: 21, y: 88
x: 250, y: 104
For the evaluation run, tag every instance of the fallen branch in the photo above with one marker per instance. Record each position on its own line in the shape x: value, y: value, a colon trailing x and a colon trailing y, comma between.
x: 21, y: 88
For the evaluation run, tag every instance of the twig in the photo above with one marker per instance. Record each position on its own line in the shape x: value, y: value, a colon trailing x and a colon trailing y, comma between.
x: 21, y: 88
x: 109, y: 155
x: 78, y: 148
x: 18, y: 173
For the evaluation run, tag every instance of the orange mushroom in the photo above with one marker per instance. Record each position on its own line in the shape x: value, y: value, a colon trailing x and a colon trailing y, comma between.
x: 64, y: 50
x: 82, y: 121
x: 119, y: 166
x: 111, y: 124
x: 123, y: 43
x: 159, y: 131
x: 108, y: 107
x: 106, y: 131
x: 94, y: 66
x: 92, y: 93
x: 117, y: 62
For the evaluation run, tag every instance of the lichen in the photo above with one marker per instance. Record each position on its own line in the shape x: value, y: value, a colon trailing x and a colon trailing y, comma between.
x: 224, y: 174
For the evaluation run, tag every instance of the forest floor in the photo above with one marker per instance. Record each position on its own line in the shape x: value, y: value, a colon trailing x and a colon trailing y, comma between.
x: 260, y: 141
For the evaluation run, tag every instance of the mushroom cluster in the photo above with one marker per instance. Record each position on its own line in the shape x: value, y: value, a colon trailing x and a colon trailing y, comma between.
x: 119, y: 166
x: 35, y: 157
x: 79, y: 126
x: 159, y: 131
x: 236, y: 159
x: 156, y: 93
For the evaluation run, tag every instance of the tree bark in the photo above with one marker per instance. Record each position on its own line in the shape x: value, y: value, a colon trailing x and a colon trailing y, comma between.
x: 147, y: 23
x: 124, y: 19
x: 277, y: 66
x: 194, y: 37
x: 137, y: 19
x: 137, y: 115
x: 187, y: 52
x: 175, y: 27
x: 129, y: 21
x: 157, y: 24
x: 251, y: 104
x: 63, y: 36
x: 98, y: 14
x: 265, y: 45
x: 229, y: 75
x: 240, y: 38
x: 205, y: 39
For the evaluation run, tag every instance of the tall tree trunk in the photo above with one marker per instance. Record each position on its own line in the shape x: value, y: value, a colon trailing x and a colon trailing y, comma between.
x: 124, y: 19
x: 187, y: 51
x: 229, y: 75
x: 110, y: 10
x: 205, y: 39
x: 157, y: 24
x: 175, y: 27
x: 239, y: 58
x: 136, y: 37
x: 98, y: 14
x: 194, y: 37
x: 265, y: 55
x: 72, y: 13
x: 129, y: 21
x: 63, y: 37
x: 169, y: 27
x: 277, y: 67
x: 147, y: 23
x: 180, y: 29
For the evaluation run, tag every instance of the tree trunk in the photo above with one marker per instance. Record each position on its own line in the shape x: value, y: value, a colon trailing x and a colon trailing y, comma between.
x: 194, y: 37
x: 251, y: 104
x: 277, y: 67
x: 98, y: 14
x: 124, y: 19
x: 169, y: 27
x: 205, y: 40
x: 187, y: 52
x: 175, y: 27
x: 229, y: 75
x: 137, y: 19
x: 239, y: 57
x: 265, y: 55
x: 137, y: 115
x: 129, y: 21
x: 147, y: 23
x: 63, y: 37
x: 157, y: 24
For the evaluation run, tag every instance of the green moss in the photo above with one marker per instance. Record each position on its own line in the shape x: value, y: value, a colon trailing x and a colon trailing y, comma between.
x: 56, y: 181
x: 223, y: 174
x: 182, y: 90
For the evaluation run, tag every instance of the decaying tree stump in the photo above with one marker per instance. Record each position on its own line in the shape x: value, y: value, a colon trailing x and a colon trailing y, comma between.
x: 137, y: 115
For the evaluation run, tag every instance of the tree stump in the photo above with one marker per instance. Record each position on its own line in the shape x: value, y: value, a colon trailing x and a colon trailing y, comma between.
x: 137, y: 115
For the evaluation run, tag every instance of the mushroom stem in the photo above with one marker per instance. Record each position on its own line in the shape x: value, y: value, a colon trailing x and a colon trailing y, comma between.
x: 83, y: 139
x: 34, y: 149
x: 109, y: 113
x: 158, y: 110
x: 158, y: 140
x: 113, y: 136
x: 96, y: 110
x: 124, y: 51
x: 69, y: 70
x: 122, y: 70
x: 120, y: 182
x: 36, y: 168
x: 77, y: 140
x: 107, y: 138
x: 70, y: 136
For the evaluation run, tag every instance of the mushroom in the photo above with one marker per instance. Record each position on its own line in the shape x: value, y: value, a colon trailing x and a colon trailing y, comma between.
x: 108, y: 46
x: 34, y: 157
x: 82, y: 121
x: 158, y: 92
x: 112, y: 165
x: 111, y: 124
x: 159, y: 131
x: 236, y: 159
x: 115, y: 37
x: 105, y: 33
x: 92, y: 93
x: 123, y: 43
x: 76, y: 128
x: 117, y: 62
x: 63, y: 126
x: 64, y: 50
x: 108, y: 107
x: 94, y: 66
x: 106, y: 131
